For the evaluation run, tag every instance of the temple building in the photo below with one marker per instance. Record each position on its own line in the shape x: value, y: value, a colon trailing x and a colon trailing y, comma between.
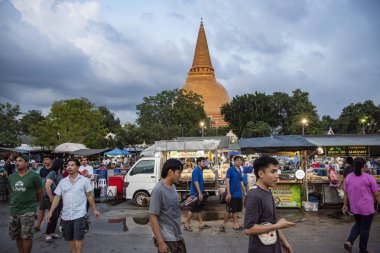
x: 201, y: 80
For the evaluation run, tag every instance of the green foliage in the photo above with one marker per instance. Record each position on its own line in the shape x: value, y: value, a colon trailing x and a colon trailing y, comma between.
x: 359, y: 118
x: 9, y: 126
x: 73, y: 120
x: 281, y: 112
x: 258, y: 129
x: 169, y: 114
x: 129, y: 135
x: 111, y: 122
x: 29, y: 119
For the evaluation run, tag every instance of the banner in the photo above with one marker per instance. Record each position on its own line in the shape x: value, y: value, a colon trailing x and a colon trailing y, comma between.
x: 287, y: 195
x: 347, y: 151
x: 191, y: 154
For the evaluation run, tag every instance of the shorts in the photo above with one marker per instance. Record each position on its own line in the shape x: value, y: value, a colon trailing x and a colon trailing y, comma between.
x: 21, y: 226
x: 174, y: 246
x: 235, y: 205
x: 74, y: 229
x: 44, y: 204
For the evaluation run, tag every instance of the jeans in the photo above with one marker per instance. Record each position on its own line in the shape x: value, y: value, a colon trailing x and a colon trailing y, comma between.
x: 361, y: 227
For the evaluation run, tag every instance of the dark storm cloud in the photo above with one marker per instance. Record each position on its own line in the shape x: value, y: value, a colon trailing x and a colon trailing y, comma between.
x: 70, y: 49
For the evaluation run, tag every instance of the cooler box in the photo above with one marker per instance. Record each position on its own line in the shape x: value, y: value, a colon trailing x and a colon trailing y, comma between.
x: 117, y: 181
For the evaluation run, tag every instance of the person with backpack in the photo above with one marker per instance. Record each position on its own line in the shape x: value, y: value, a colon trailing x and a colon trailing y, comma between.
x: 52, y: 180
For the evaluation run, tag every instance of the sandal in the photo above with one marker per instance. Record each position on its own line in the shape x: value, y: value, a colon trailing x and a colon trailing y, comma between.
x: 188, y: 228
x: 348, y: 246
x: 48, y: 239
x: 55, y: 236
x: 222, y: 229
x: 239, y: 228
x: 204, y: 226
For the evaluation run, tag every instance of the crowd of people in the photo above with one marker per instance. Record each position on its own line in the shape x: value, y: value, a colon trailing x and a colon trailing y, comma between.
x: 65, y: 190
x: 62, y: 190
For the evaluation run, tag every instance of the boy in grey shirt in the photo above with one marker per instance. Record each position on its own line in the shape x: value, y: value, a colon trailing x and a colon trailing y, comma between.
x: 164, y: 210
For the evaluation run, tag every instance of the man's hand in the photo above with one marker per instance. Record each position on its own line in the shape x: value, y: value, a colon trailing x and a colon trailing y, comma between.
x: 201, y: 197
x: 96, y: 214
x: 48, y: 216
x: 163, y: 248
x: 228, y: 197
x: 282, y: 223
x: 345, y: 209
x: 287, y: 248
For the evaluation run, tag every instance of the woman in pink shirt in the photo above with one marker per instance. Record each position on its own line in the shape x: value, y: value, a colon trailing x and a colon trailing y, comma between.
x: 360, y: 188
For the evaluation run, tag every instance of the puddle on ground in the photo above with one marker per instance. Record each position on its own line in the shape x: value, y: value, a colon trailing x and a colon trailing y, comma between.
x: 109, y: 224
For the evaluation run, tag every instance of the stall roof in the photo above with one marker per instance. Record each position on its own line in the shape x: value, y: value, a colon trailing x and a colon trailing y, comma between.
x: 224, y: 141
x: 88, y: 152
x: 274, y: 144
x: 345, y: 140
x: 298, y: 142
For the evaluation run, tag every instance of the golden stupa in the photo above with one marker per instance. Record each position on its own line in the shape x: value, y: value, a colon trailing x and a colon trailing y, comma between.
x: 201, y: 80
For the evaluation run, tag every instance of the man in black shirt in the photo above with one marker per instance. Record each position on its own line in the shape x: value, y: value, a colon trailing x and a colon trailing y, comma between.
x: 348, y: 166
x: 260, y: 209
x: 8, y: 168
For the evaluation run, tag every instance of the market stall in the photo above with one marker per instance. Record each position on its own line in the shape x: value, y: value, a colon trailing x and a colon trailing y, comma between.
x: 288, y: 192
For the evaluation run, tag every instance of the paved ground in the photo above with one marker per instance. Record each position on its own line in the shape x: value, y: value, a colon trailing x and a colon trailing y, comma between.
x: 322, y: 232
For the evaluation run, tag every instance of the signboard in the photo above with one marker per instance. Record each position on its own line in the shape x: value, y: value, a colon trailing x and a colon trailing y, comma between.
x: 285, y: 153
x: 288, y: 195
x: 347, y: 151
x: 181, y: 154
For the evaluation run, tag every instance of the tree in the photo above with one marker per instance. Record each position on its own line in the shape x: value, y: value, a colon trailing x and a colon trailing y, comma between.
x: 9, y: 127
x: 327, y: 122
x: 258, y: 129
x: 111, y: 122
x: 73, y: 120
x: 129, y: 135
x: 169, y: 114
x: 29, y: 119
x: 359, y: 118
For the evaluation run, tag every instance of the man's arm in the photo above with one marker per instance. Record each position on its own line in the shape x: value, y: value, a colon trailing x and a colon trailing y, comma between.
x: 228, y: 196
x: 262, y: 229
x: 91, y: 200
x: 48, y: 189
x: 40, y: 192
x: 162, y: 246
x: 243, y: 188
x: 54, y: 205
x: 200, y: 194
x: 284, y: 243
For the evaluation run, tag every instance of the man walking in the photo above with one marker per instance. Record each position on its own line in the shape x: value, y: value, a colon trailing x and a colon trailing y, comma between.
x: 26, y: 191
x: 86, y: 170
x: 164, y: 210
x: 261, y: 222
x: 235, y: 194
x: 43, y: 205
x: 197, y: 190
x: 74, y: 190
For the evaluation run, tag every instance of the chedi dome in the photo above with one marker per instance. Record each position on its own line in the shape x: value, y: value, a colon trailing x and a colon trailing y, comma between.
x: 201, y: 80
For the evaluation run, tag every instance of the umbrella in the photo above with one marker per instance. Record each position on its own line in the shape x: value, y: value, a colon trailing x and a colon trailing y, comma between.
x: 68, y: 147
x: 126, y: 152
x: 114, y: 152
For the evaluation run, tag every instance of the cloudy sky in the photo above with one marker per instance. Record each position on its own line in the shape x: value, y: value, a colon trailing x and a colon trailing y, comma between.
x: 117, y: 52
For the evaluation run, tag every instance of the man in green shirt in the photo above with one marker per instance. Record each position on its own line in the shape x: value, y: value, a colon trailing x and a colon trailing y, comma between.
x: 26, y: 191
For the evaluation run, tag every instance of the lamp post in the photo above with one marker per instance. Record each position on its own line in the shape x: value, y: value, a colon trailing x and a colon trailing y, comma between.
x: 202, y: 124
x: 304, y: 123
x: 363, y: 120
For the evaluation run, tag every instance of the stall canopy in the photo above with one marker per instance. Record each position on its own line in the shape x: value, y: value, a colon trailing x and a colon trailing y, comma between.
x: 68, y: 147
x: 117, y: 151
x: 298, y: 142
x: 88, y: 152
x: 274, y: 144
x: 149, y: 152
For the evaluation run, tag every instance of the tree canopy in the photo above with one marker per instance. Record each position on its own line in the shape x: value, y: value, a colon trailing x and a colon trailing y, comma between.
x: 9, y: 125
x: 169, y: 114
x: 72, y: 120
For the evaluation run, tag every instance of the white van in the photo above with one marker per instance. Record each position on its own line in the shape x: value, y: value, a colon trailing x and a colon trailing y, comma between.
x: 141, y: 178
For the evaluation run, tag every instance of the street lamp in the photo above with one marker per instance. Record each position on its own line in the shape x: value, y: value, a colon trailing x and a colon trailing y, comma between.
x: 202, y: 124
x: 304, y: 123
x: 363, y: 120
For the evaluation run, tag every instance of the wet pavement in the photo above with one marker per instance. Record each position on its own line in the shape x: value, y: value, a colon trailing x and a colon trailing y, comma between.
x: 125, y: 228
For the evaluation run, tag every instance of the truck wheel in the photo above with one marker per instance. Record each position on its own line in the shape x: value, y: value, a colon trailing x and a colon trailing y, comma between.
x: 139, y: 196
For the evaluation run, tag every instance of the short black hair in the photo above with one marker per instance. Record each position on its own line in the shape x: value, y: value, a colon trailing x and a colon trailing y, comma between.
x: 48, y: 156
x: 76, y: 161
x: 85, y: 157
x: 238, y: 157
x: 57, y: 165
x: 262, y: 163
x: 350, y: 161
x: 200, y: 159
x: 359, y: 163
x: 170, y: 164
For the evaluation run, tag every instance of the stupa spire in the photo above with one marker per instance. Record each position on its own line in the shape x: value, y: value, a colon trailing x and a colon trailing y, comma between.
x: 202, y: 60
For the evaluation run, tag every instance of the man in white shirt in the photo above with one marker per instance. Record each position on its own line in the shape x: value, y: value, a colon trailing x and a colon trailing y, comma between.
x: 85, y: 169
x: 74, y: 191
